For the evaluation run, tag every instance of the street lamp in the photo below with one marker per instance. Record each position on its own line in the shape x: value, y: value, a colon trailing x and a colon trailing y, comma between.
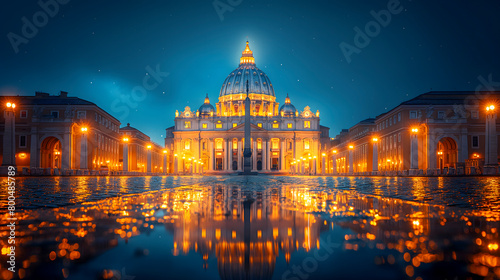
x: 84, y: 129
x: 125, y: 139
x: 375, y: 139
x: 149, y: 146
x: 414, y: 130
x: 351, y: 147
x: 490, y: 107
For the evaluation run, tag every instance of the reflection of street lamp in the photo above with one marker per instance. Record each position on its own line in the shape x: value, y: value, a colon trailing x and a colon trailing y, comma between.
x: 414, y: 130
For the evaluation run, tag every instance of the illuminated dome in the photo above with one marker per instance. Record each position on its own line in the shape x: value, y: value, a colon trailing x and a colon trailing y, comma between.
x: 287, y: 109
x: 258, y: 81
x: 206, y: 108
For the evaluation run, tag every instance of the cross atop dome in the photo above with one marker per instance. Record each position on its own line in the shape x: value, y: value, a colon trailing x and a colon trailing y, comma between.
x: 247, y: 56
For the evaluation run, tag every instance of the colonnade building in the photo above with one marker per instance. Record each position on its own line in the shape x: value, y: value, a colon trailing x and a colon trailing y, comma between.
x: 435, y: 133
x: 64, y: 135
x: 211, y: 138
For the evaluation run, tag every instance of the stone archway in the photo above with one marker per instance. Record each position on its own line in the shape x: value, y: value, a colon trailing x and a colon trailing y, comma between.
x: 50, y: 153
x: 447, y: 153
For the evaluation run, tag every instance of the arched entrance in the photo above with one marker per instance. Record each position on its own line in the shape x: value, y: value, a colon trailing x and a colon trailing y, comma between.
x: 447, y: 153
x: 51, y: 153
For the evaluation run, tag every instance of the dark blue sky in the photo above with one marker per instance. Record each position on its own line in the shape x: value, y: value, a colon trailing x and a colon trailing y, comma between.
x: 99, y: 51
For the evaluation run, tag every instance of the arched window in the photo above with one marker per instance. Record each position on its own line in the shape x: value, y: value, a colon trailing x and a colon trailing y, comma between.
x: 187, y: 144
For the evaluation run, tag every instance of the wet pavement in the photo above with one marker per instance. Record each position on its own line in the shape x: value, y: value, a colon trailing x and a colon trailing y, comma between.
x: 255, y: 227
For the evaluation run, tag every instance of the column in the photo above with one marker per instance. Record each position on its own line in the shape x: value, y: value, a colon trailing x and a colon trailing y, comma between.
x: 282, y: 155
x: 268, y: 158
x: 230, y: 155
x: 239, y: 155
x: 323, y: 163
x: 164, y: 161
x: 66, y: 152
x: 254, y: 155
x: 9, y: 137
x: 34, y: 152
x: 431, y: 153
x: 351, y: 162
x: 414, y: 150
x: 224, y: 158
x: 83, y: 151
x: 264, y: 155
x: 375, y: 158
x: 176, y: 164
x: 211, y: 159
x: 491, y: 147
x: 334, y: 164
x: 149, y: 159
x: 125, y: 156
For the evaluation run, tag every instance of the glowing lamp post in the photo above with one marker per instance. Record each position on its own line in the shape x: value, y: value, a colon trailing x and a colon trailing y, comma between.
x: 375, y: 156
x: 125, y: 154
x: 491, y: 147
x: 414, y: 151
x: 83, y: 149
x: 9, y: 143
x: 149, y: 158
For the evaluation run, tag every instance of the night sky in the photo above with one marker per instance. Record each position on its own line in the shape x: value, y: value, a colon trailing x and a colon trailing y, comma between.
x: 100, y: 51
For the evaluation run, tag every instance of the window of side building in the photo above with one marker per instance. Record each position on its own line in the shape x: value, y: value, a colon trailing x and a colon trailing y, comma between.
x: 399, y: 117
x: 307, y: 124
x: 218, y: 125
x: 441, y: 115
x: 22, y: 141
x: 204, y: 125
x: 475, y: 114
x: 276, y: 125
x: 413, y: 115
x: 289, y: 125
x: 81, y: 115
x: 187, y: 124
x: 55, y: 114
x: 23, y: 114
x: 475, y: 141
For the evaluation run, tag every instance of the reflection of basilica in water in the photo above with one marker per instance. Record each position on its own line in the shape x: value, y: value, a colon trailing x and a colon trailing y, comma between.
x: 245, y: 231
x: 250, y: 231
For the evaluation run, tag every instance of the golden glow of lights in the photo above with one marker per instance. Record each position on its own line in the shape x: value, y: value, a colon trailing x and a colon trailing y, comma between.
x: 8, y: 104
x: 493, y: 246
x: 125, y: 139
x: 259, y: 234
x: 84, y: 129
x: 233, y: 234
x: 334, y: 151
x: 375, y: 139
x: 414, y: 130
x: 440, y: 153
x: 149, y: 146
x: 22, y: 155
x: 351, y: 147
x: 323, y: 154
x: 490, y: 107
x: 164, y: 151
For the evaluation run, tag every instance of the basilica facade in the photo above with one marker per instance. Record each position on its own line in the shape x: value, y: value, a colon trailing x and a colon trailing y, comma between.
x: 211, y: 138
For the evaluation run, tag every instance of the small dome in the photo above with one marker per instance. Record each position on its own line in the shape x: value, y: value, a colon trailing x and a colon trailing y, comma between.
x: 287, y: 109
x: 206, y: 108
